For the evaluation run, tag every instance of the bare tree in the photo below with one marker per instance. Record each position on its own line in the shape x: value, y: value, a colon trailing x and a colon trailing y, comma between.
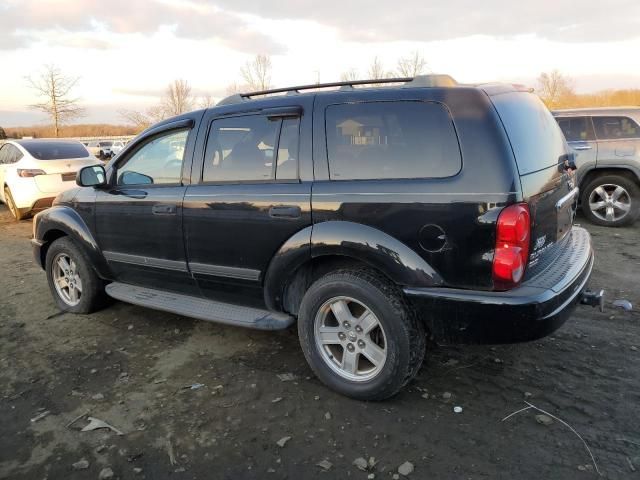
x: 411, y: 65
x: 376, y: 70
x: 55, y: 88
x: 256, y: 73
x: 177, y: 98
x: 206, y: 101
x: 555, y: 88
x: 350, y: 75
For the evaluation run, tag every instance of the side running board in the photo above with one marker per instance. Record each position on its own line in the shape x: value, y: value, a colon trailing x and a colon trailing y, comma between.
x: 199, y: 308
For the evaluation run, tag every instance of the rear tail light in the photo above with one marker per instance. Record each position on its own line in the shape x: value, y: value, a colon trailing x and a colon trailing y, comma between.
x: 30, y: 172
x: 513, y: 235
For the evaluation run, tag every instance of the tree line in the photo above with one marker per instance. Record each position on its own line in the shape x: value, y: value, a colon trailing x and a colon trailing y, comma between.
x: 55, y: 90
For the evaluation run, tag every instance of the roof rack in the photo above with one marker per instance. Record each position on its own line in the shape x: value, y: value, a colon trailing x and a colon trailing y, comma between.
x: 418, y: 81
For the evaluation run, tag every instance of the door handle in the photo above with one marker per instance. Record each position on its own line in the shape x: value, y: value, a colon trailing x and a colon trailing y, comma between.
x: 582, y: 147
x: 285, y: 211
x: 164, y: 209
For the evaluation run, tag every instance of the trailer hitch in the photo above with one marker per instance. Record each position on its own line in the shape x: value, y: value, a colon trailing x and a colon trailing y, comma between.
x: 595, y: 299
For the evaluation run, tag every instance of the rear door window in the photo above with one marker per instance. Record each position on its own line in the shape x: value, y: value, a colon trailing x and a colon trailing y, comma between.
x: 252, y: 148
x: 576, y: 129
x: 615, y: 128
x: 386, y: 140
x: 536, y: 138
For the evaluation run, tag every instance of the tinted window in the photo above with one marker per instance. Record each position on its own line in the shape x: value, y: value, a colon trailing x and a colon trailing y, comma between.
x: 288, y: 147
x: 13, y: 154
x: 55, y: 150
x: 613, y: 128
x: 576, y: 129
x: 391, y: 140
x: 158, y: 162
x: 241, y: 149
x: 4, y: 152
x: 536, y: 138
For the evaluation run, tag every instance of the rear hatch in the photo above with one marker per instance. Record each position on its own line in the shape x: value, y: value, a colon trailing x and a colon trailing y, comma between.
x: 548, y: 187
x: 59, y: 174
x: 60, y: 160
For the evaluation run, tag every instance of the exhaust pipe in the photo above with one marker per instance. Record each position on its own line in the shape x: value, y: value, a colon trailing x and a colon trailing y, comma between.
x: 595, y: 299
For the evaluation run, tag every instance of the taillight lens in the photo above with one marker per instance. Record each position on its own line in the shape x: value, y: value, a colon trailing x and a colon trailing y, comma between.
x: 513, y: 235
x: 30, y: 172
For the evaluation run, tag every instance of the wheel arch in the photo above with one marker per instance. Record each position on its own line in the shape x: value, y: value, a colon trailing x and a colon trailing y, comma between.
x: 627, y: 171
x: 327, y: 246
x: 63, y: 221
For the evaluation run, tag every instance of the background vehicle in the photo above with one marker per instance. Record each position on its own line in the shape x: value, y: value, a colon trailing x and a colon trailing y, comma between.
x: 607, y: 146
x: 33, y: 172
x: 349, y: 211
x: 101, y: 149
x: 116, y: 148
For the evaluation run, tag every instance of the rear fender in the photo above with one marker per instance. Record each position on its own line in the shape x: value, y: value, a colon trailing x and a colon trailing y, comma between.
x: 352, y: 240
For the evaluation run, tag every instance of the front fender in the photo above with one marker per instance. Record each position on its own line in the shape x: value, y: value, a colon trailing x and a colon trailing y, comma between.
x: 62, y: 218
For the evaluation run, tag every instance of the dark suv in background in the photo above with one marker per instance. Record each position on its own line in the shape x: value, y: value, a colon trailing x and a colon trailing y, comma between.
x: 373, y: 215
x: 607, y: 146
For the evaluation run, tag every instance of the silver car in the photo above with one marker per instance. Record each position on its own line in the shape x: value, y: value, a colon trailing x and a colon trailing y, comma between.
x: 607, y: 146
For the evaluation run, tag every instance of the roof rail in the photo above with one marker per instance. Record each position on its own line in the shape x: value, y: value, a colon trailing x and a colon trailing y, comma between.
x: 417, y: 81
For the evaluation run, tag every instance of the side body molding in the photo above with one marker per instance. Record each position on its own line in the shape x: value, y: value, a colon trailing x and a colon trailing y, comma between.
x: 67, y: 220
x: 352, y: 240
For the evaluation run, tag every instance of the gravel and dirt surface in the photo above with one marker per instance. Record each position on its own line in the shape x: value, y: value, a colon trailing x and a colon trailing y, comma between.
x: 133, y: 368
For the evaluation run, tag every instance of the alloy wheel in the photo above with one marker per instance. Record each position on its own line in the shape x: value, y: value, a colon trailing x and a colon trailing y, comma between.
x: 350, y: 339
x: 66, y: 279
x: 610, y: 202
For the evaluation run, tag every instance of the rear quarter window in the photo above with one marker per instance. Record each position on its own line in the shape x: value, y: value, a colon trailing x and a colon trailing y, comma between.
x: 535, y: 137
x: 56, y: 150
x: 387, y: 140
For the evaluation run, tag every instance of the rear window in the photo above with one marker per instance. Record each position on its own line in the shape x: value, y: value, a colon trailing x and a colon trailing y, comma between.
x: 615, y: 128
x: 536, y: 138
x: 382, y: 140
x: 55, y: 150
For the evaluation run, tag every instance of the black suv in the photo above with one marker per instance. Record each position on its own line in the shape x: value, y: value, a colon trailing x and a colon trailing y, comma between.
x: 372, y: 217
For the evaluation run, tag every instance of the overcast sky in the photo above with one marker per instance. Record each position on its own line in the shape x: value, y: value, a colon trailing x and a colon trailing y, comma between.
x: 127, y: 51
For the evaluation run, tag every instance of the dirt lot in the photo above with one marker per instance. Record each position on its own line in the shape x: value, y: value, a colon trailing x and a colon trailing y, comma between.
x: 129, y: 367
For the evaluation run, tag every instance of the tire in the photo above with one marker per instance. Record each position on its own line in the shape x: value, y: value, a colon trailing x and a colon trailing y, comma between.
x: 92, y: 295
x: 17, y: 213
x: 398, y: 334
x: 610, y: 193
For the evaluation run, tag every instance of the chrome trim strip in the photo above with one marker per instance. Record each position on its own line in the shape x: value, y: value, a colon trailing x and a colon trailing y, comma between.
x: 224, y: 271
x: 175, y: 265
x: 569, y: 196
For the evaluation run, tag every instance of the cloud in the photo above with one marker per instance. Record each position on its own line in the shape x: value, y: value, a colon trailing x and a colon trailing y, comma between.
x: 189, y: 21
x: 420, y: 20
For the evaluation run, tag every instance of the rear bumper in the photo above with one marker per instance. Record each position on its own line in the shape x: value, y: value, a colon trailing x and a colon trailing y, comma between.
x: 536, y: 308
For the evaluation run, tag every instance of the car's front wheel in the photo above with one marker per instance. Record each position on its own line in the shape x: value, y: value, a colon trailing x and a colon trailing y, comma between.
x: 359, y: 335
x: 611, y: 200
x: 74, y: 284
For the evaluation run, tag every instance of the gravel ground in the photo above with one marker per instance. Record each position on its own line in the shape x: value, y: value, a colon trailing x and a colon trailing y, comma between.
x: 133, y: 368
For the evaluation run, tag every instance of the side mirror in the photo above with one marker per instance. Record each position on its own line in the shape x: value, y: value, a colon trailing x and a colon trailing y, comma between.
x: 93, y: 176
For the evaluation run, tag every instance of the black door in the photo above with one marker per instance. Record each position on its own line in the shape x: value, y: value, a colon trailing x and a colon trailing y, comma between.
x: 246, y: 199
x: 139, y: 218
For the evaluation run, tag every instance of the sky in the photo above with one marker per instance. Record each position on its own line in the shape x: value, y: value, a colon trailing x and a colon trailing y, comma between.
x: 125, y: 52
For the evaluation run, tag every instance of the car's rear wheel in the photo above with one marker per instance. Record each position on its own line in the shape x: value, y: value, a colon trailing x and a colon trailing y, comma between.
x: 611, y: 200
x: 17, y: 213
x: 74, y: 284
x: 359, y: 335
